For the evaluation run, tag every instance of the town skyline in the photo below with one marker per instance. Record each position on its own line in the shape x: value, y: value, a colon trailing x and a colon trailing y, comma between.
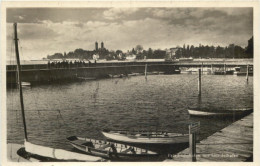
x: 44, y: 31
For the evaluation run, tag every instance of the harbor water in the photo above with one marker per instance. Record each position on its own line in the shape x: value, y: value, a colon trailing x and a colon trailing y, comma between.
x: 56, y: 111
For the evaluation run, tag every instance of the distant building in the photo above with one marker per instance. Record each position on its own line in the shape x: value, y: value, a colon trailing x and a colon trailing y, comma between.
x: 95, y: 57
x: 131, y: 57
x: 171, y: 53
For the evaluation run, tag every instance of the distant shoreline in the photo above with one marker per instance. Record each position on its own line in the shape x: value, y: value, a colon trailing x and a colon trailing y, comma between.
x: 24, y: 62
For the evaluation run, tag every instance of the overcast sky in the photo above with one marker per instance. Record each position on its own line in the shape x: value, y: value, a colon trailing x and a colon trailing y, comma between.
x: 45, y: 31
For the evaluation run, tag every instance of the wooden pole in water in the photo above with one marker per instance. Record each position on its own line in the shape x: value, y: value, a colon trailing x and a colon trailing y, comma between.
x: 202, y: 67
x: 199, y: 83
x: 211, y: 68
x: 224, y: 68
x: 247, y: 72
x: 145, y: 71
x: 19, y: 79
x: 192, y: 144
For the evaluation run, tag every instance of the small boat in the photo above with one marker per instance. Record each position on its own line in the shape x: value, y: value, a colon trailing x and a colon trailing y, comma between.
x: 186, y: 59
x: 26, y: 84
x: 242, y: 71
x: 111, y: 150
x: 146, y: 137
x: 86, y: 78
x: 132, y: 74
x: 117, y: 75
x: 228, y: 112
x: 221, y: 72
x: 43, y: 153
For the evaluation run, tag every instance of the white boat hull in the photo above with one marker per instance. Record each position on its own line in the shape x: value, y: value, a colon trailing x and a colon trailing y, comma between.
x: 58, y: 154
x: 147, y: 140
x: 230, y: 113
x: 201, y: 113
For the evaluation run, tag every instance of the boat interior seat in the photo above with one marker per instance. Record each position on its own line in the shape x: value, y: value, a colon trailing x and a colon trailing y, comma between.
x: 128, y: 150
x: 89, y: 144
x: 104, y: 147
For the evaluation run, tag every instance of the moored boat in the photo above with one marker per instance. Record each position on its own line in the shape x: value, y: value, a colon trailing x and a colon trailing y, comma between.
x: 221, y: 72
x: 44, y: 153
x: 86, y: 78
x: 111, y: 150
x: 226, y: 112
x: 146, y: 137
x: 244, y: 70
x: 26, y: 84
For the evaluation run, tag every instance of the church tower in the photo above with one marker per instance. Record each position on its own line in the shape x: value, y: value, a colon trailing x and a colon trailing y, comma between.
x: 102, y: 45
x: 96, y: 46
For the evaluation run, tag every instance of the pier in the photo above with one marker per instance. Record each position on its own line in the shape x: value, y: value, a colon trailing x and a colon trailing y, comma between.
x: 234, y: 143
x: 45, y: 73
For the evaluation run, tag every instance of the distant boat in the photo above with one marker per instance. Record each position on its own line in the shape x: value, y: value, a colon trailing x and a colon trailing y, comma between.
x: 221, y: 72
x: 26, y: 84
x: 175, y: 70
x: 110, y: 150
x: 242, y: 71
x: 227, y: 112
x: 186, y: 59
x: 117, y: 75
x: 133, y: 74
x: 146, y: 137
x: 86, y: 78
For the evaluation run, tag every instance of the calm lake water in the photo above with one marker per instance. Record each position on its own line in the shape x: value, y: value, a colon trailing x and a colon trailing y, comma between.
x: 54, y: 112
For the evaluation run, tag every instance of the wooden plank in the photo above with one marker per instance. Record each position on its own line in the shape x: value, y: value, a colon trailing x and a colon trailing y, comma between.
x: 234, y: 136
x: 222, y: 154
x: 232, y: 132
x: 238, y: 136
x: 247, y: 148
x: 223, y: 149
x: 225, y: 140
x: 127, y: 150
x: 103, y: 147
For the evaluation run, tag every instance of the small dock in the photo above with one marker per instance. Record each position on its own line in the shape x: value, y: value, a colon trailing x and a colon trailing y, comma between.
x: 231, y: 144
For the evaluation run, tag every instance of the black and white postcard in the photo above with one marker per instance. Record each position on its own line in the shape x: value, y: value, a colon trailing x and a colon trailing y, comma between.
x: 126, y: 82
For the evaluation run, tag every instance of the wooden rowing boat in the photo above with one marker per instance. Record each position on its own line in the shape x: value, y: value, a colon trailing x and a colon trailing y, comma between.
x: 228, y: 112
x: 146, y: 137
x: 111, y: 150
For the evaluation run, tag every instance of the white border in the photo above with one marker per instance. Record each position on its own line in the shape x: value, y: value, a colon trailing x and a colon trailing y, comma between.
x: 254, y: 4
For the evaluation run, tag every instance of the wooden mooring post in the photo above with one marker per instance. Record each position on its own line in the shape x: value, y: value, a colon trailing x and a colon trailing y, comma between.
x: 193, y: 129
x: 202, y: 67
x: 199, y: 83
x: 145, y: 71
x: 224, y: 69
x: 247, y: 72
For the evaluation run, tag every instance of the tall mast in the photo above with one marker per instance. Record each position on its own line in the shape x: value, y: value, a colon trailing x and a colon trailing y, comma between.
x: 19, y: 78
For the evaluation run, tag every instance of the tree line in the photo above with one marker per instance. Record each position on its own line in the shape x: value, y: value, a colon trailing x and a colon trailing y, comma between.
x: 230, y: 51
x: 201, y: 51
